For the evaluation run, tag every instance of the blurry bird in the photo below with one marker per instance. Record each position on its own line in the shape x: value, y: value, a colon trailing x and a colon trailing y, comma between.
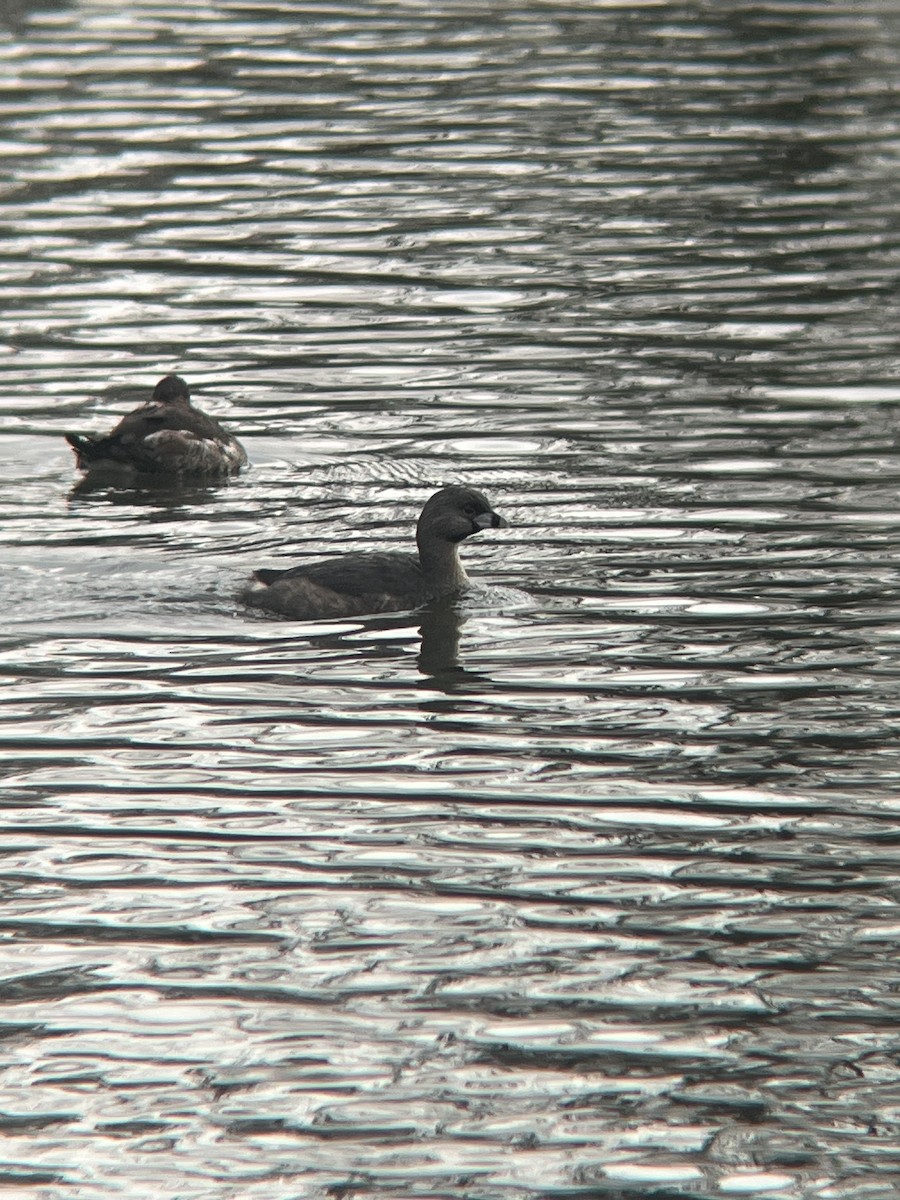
x: 167, y: 437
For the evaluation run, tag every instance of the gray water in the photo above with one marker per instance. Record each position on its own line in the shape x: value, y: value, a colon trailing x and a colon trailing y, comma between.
x: 589, y: 885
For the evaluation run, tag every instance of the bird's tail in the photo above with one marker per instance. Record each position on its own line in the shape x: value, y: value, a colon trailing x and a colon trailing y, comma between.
x: 85, y: 447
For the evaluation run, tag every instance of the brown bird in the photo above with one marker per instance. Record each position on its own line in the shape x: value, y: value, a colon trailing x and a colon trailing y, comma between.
x: 167, y: 436
x: 354, y: 584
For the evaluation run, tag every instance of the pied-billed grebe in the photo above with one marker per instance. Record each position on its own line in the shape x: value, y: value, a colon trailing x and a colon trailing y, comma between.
x: 167, y: 436
x: 354, y: 584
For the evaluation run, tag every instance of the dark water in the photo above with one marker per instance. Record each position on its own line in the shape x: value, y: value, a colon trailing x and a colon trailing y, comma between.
x: 589, y: 886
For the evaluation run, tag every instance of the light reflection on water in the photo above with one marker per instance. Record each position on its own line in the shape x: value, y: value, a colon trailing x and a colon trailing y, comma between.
x: 586, y: 884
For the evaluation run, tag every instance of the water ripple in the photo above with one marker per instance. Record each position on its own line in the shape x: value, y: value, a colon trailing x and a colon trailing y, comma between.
x: 583, y: 885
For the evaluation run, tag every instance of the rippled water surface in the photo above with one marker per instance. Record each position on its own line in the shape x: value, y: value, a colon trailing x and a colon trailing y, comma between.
x: 586, y: 886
